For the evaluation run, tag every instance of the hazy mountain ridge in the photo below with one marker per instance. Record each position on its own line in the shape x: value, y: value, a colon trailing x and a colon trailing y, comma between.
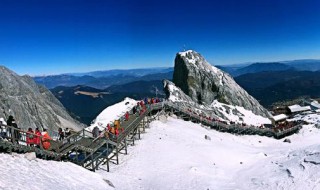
x: 298, y: 65
x: 102, y: 81
x: 85, y: 103
x: 124, y: 72
x: 270, y: 87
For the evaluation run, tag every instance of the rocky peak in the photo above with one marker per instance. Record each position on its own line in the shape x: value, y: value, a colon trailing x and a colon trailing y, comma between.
x: 205, y: 83
x: 31, y: 105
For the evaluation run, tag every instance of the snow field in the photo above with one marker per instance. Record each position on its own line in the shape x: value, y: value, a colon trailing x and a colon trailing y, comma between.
x: 17, y: 172
x: 175, y: 155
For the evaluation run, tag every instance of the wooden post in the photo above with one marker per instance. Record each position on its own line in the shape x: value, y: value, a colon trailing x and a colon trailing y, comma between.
x: 13, y: 135
x: 138, y: 133
x: 92, y: 163
x: 77, y: 155
x: 107, y: 157
x: 144, y: 127
x: 126, y: 145
x: 85, y: 155
x: 108, y: 169
x: 117, y: 155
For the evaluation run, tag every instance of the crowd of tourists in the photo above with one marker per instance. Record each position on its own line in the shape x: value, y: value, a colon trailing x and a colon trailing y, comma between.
x: 9, y: 131
x: 285, y: 125
x: 113, y: 130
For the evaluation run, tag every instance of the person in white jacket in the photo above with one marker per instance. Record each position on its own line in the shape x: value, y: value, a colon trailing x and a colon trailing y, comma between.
x: 3, y: 129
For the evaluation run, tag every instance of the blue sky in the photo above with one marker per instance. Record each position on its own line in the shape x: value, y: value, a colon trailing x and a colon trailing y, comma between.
x: 49, y: 37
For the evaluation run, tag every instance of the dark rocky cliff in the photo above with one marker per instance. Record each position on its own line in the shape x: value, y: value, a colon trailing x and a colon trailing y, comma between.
x: 205, y: 83
x: 31, y: 105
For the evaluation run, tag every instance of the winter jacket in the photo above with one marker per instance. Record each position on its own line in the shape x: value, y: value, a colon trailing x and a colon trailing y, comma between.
x: 95, y: 132
x: 117, y: 124
x: 37, y: 137
x: 46, y: 140
x: 30, y: 137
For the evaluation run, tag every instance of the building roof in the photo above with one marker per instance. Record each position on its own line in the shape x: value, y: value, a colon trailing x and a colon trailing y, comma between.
x: 280, y: 117
x: 315, y: 104
x: 297, y: 108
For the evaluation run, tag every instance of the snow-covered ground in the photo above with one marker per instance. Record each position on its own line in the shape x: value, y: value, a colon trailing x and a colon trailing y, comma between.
x: 309, y: 117
x: 246, y: 116
x: 112, y: 113
x: 18, y: 172
x: 175, y: 155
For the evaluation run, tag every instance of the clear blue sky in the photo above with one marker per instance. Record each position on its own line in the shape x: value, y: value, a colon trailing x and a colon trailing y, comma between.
x: 58, y: 36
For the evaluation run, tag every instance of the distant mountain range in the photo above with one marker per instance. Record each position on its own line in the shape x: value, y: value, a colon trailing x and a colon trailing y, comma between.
x: 87, y: 94
x: 298, y: 65
x: 125, y: 72
x: 104, y: 79
x: 273, y: 86
x: 85, y: 103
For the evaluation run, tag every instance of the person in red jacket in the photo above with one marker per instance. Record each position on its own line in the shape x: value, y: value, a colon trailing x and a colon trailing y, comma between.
x: 37, y: 137
x: 117, y: 131
x: 108, y: 127
x: 45, y: 139
x: 127, y: 116
x: 30, y: 137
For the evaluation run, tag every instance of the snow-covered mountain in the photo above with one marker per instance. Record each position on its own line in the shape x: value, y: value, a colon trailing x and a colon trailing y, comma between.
x: 215, y: 110
x: 205, y: 83
x: 31, y: 105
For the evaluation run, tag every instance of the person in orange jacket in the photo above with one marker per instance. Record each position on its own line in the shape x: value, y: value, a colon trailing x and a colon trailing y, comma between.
x: 45, y: 139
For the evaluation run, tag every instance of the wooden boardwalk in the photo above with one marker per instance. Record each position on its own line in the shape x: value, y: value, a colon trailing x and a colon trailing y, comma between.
x: 82, y: 149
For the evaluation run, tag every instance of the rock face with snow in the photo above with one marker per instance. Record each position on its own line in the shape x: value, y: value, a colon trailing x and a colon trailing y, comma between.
x: 205, y: 83
x: 216, y: 110
x: 31, y: 105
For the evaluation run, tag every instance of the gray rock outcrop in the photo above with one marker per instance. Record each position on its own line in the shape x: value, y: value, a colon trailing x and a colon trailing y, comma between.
x: 31, y: 105
x: 205, y: 83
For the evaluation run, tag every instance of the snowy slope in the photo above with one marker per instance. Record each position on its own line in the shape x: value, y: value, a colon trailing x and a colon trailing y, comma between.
x: 17, y: 172
x: 175, y: 155
x: 112, y: 113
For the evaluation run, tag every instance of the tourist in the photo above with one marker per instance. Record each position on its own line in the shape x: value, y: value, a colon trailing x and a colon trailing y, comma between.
x: 3, y: 129
x: 30, y: 137
x: 95, y: 132
x: 45, y: 139
x: 61, y: 134
x: 127, y: 116
x: 37, y: 137
x: 14, y: 131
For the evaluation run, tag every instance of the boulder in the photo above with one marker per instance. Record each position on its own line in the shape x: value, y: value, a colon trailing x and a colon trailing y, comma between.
x: 30, y: 156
